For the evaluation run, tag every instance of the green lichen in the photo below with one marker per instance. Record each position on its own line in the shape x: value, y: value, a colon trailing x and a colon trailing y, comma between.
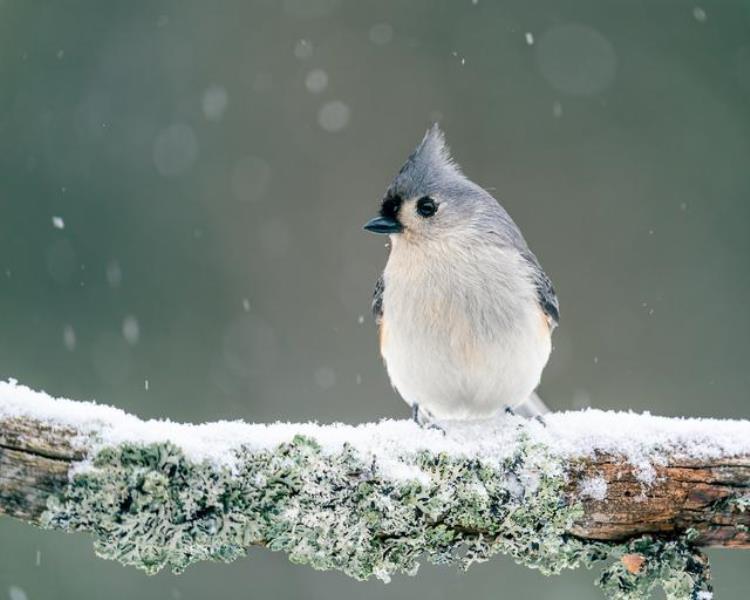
x: 676, y: 566
x: 151, y: 507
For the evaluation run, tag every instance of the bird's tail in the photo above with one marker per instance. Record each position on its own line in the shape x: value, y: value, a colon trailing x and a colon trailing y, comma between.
x: 532, y: 407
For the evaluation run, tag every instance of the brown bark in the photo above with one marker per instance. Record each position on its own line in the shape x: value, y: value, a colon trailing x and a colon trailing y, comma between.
x: 35, y: 460
x: 686, y: 494
x: 34, y: 463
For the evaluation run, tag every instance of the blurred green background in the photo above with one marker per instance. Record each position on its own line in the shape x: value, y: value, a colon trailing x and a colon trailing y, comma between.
x: 182, y: 189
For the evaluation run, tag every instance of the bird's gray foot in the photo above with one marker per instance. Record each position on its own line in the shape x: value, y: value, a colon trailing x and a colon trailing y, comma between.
x: 509, y: 410
x: 540, y: 418
x: 434, y: 426
x: 424, y: 419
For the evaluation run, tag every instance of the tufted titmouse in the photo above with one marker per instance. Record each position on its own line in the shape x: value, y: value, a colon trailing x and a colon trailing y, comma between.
x: 465, y: 311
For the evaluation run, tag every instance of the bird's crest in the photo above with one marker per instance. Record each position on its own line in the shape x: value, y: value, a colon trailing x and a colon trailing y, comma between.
x: 429, y: 164
x: 433, y: 149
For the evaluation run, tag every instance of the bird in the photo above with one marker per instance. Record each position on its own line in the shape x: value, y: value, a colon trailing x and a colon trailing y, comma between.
x: 464, y: 310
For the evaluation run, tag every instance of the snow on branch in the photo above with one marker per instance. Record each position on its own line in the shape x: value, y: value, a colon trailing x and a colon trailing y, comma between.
x: 644, y: 492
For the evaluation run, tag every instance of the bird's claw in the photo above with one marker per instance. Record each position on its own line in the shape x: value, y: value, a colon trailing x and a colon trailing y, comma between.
x: 423, y: 419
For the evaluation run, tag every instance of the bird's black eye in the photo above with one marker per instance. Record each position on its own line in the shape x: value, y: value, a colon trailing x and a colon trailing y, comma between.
x: 426, y: 206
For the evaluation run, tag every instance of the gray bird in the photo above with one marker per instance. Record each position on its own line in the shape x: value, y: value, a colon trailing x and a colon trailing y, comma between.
x: 464, y: 309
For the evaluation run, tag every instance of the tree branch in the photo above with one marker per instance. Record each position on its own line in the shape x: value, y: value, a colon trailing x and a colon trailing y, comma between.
x: 373, y: 499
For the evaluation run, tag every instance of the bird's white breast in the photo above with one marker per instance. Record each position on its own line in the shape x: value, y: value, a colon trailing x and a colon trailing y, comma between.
x: 462, y: 334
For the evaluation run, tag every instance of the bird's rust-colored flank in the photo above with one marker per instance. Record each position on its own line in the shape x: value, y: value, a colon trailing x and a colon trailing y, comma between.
x: 382, y: 334
x: 546, y: 323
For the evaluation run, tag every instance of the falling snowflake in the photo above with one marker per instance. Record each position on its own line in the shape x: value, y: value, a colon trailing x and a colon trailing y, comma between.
x: 214, y: 102
x: 131, y: 331
x: 303, y: 49
x: 316, y: 81
x: 325, y: 377
x: 334, y: 116
x: 114, y: 274
x: 381, y: 34
x: 16, y: 593
x: 69, y: 337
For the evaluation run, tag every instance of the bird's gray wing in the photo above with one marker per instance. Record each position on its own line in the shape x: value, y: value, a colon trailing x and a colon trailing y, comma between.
x: 505, y: 232
x: 544, y: 289
x: 377, y: 300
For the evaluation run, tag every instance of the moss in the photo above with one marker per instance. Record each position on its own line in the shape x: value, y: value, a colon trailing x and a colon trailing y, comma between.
x: 151, y: 507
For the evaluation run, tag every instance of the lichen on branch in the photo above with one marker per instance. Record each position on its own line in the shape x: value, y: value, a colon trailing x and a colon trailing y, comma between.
x: 151, y: 507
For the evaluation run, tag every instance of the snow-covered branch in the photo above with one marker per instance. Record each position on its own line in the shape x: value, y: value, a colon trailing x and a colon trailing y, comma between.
x: 374, y: 499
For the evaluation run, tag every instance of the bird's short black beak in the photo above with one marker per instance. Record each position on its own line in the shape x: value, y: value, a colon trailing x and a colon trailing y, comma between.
x: 384, y: 225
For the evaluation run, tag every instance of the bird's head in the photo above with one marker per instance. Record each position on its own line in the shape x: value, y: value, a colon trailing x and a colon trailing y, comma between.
x: 429, y: 198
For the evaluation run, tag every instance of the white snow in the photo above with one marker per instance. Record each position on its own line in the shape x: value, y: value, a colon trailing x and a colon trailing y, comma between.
x: 645, y: 439
x: 641, y: 439
x: 593, y: 487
